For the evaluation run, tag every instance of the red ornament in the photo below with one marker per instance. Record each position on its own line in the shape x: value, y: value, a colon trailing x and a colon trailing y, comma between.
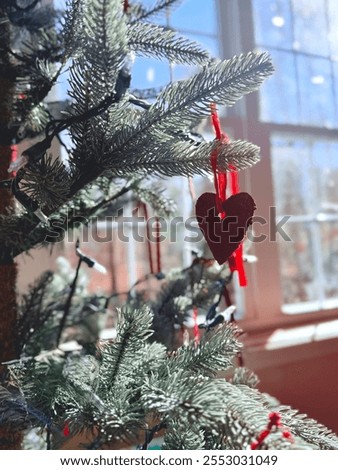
x: 274, y: 422
x: 274, y: 419
x: 125, y: 6
x: 66, y: 430
x: 221, y: 248
x: 224, y: 235
x: 196, y: 329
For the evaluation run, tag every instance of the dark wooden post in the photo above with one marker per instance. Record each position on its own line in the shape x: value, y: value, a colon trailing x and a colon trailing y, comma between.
x: 9, y: 439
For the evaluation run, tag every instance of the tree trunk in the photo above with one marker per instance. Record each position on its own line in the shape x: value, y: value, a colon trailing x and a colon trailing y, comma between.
x: 7, y: 276
x: 9, y: 439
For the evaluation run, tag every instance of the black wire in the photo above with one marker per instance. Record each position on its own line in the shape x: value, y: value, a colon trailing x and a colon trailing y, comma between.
x: 68, y: 302
x: 63, y: 124
x: 150, y: 434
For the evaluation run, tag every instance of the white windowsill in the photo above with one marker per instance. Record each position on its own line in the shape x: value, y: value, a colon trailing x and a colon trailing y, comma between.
x: 308, y: 307
x: 288, y: 337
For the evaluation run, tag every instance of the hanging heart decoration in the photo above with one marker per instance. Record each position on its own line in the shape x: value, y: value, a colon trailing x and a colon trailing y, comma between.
x: 224, y: 222
x: 224, y: 235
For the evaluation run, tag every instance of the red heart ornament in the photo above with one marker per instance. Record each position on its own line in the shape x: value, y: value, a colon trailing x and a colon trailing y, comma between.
x: 224, y: 235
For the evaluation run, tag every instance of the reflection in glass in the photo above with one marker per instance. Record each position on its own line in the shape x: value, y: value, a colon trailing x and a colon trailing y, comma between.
x: 150, y: 73
x: 310, y: 25
x: 195, y: 15
x: 305, y: 33
x: 329, y: 243
x: 291, y: 183
x: 325, y: 175
x: 333, y: 29
x: 272, y: 23
x: 305, y: 172
x: 316, y: 92
x: 335, y: 82
x: 299, y: 283
x: 279, y: 101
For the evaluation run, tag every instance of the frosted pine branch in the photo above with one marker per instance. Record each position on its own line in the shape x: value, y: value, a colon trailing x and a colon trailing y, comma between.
x: 214, y: 353
x: 73, y: 27
x: 181, y: 102
x: 309, y: 429
x: 154, y: 41
x: 175, y: 157
x: 134, y: 329
x: 160, y: 6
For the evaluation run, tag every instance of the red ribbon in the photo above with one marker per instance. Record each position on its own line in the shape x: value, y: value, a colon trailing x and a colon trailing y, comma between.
x: 66, y: 430
x: 274, y: 421
x: 196, y: 329
x: 220, y: 180
x: 158, y: 245
x: 14, y: 156
x: 126, y: 6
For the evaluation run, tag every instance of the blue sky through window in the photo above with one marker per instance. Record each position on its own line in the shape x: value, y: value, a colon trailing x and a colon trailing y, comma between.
x: 302, y: 36
x: 194, y: 19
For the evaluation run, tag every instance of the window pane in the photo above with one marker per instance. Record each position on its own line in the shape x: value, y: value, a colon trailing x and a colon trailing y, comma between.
x: 333, y: 25
x: 159, y: 18
x: 329, y: 242
x: 325, y: 174
x: 299, y: 282
x: 150, y: 73
x: 305, y: 172
x: 278, y: 101
x: 291, y: 172
x: 316, y: 92
x: 335, y: 89
x: 210, y: 43
x: 310, y: 27
x: 195, y: 15
x: 180, y: 72
x: 272, y: 22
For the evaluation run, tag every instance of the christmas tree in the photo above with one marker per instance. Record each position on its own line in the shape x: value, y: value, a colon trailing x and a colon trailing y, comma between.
x: 163, y: 374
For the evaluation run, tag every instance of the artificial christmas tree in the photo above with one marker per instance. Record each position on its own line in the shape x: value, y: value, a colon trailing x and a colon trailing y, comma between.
x: 153, y: 377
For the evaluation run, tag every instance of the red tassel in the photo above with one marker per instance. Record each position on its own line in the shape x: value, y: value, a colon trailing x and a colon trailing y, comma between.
x: 220, y: 181
x: 237, y: 263
x: 66, y: 430
x: 240, y: 266
x: 234, y: 180
x: 274, y: 421
x: 215, y: 121
x: 158, y: 246
x: 126, y: 6
x: 287, y: 435
x: 222, y: 188
x: 14, y: 156
x: 196, y: 329
x: 254, y: 445
x: 219, y: 199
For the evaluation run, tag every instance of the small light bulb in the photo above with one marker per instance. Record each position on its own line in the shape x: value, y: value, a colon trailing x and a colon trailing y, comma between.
x: 99, y: 268
x: 278, y: 21
x: 20, y: 162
